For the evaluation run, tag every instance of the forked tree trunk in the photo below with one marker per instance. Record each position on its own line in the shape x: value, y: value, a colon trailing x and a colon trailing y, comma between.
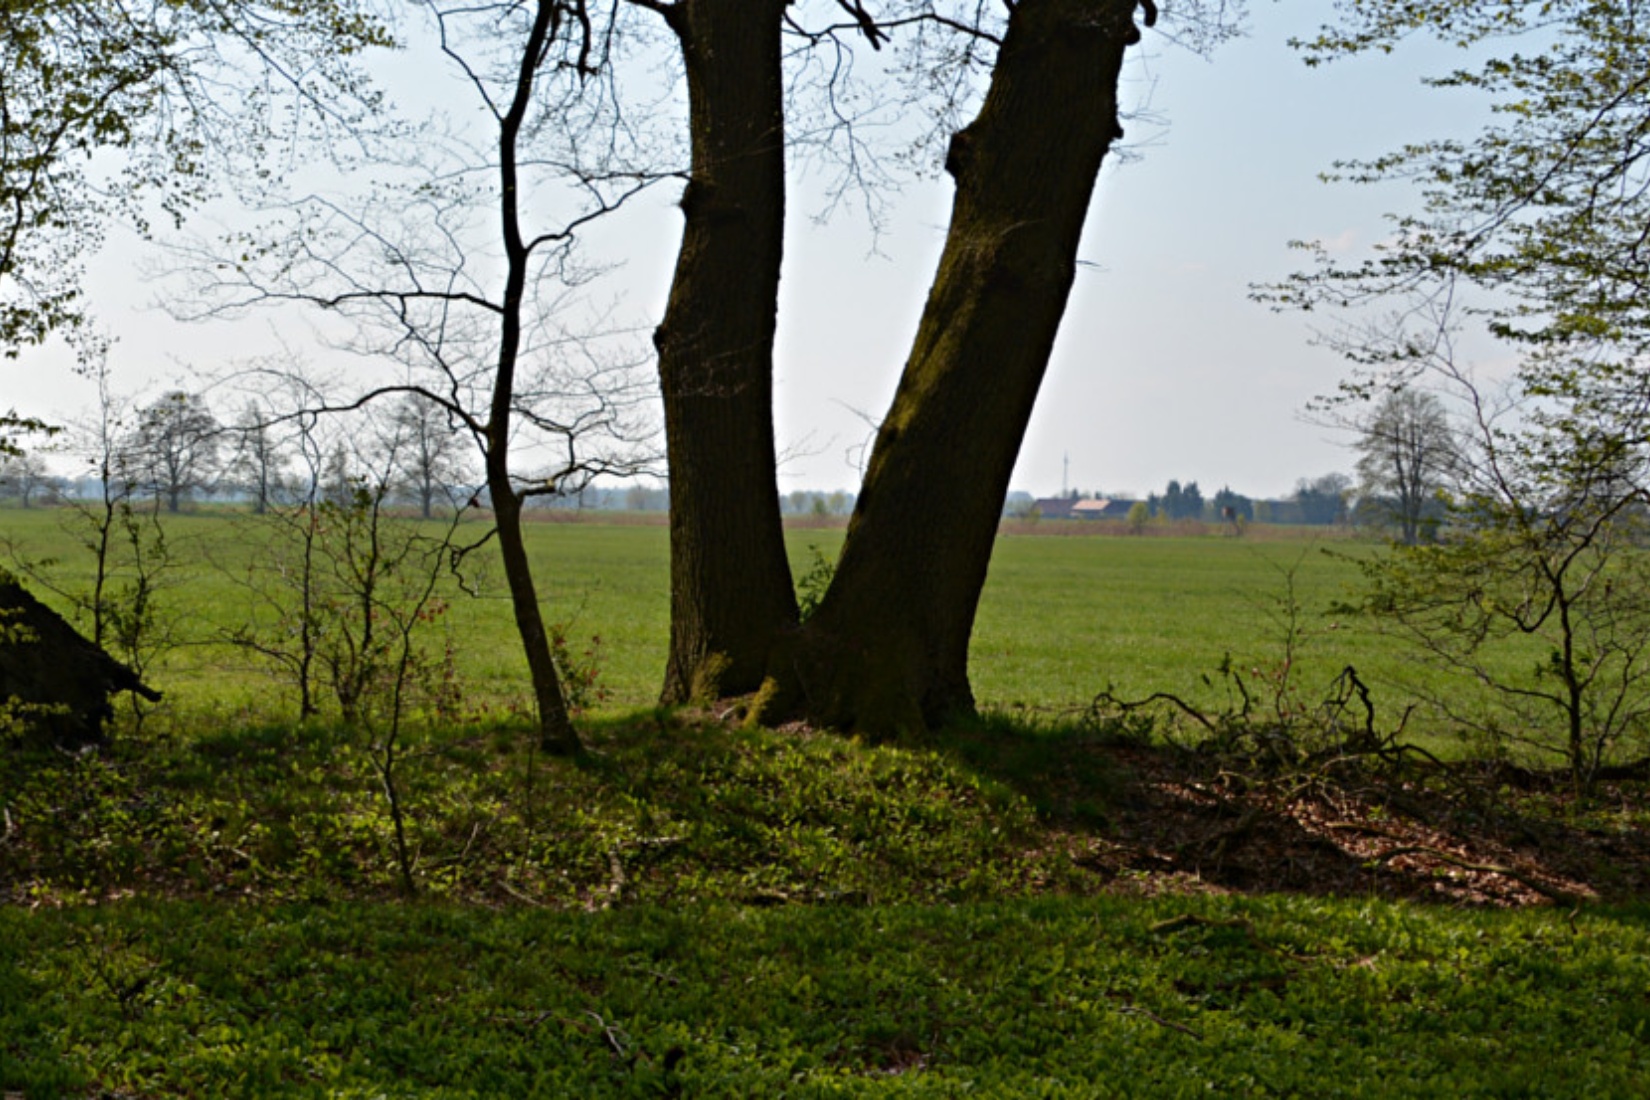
x: 730, y: 582
x: 888, y: 648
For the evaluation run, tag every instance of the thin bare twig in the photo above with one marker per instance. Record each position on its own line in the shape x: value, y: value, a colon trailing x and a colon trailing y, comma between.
x: 1136, y: 1010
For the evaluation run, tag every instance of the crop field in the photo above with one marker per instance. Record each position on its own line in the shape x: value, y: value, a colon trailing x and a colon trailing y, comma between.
x: 1061, y: 619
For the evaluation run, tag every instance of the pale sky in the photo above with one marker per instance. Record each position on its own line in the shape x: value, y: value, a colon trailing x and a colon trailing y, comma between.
x: 1164, y: 368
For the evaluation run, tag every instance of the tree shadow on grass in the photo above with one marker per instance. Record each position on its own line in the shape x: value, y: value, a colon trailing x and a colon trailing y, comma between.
x: 680, y: 807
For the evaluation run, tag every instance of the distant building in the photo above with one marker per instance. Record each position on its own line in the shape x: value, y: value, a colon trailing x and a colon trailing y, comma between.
x: 1102, y: 509
x: 1055, y: 507
x: 1072, y: 508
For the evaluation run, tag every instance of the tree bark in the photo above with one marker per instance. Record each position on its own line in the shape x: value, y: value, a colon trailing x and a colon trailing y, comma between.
x: 730, y: 583
x: 556, y: 732
x: 888, y: 648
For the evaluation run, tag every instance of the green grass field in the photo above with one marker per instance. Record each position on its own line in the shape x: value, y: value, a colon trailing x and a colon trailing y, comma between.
x: 217, y: 904
x: 1061, y: 619
x: 1052, y: 999
x: 694, y: 911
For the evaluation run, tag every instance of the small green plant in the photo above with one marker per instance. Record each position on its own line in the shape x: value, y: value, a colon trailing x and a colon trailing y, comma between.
x: 1267, y: 717
x: 1574, y: 580
x: 580, y: 672
x: 15, y: 715
x: 1228, y: 996
x: 814, y: 582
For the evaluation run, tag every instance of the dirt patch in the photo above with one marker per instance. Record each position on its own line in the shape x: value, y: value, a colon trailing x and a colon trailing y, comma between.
x: 1188, y: 825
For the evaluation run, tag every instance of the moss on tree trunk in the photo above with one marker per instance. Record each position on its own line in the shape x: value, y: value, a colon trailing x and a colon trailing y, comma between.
x: 888, y: 648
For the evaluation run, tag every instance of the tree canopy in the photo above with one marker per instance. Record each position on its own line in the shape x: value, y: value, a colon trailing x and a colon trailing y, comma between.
x: 1407, y: 455
x: 111, y: 110
x: 1544, y: 210
x: 1535, y: 227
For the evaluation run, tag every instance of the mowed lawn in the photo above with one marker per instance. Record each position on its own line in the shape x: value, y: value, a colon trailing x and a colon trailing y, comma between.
x: 1061, y: 619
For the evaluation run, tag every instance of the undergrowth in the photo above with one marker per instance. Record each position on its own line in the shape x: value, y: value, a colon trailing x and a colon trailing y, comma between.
x: 660, y: 809
x: 696, y: 910
x: 1055, y: 998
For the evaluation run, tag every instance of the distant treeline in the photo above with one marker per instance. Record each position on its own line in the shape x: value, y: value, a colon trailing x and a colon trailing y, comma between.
x: 1325, y: 500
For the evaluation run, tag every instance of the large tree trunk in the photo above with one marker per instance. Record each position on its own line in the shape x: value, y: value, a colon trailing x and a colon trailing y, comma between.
x: 730, y: 582
x: 888, y: 648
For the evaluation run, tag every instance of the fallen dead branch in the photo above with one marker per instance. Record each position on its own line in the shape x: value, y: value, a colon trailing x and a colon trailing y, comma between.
x: 1552, y: 892
x: 1361, y: 828
x: 1218, y: 839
